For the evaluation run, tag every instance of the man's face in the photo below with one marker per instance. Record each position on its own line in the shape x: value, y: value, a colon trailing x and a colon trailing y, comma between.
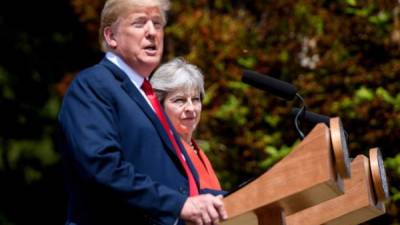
x: 138, y: 39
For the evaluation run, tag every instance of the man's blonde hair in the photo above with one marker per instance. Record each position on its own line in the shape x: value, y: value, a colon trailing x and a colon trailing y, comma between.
x: 113, y: 9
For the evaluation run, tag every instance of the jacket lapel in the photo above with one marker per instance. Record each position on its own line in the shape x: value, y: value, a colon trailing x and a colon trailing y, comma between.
x: 135, y: 95
x: 132, y: 91
x: 187, y: 158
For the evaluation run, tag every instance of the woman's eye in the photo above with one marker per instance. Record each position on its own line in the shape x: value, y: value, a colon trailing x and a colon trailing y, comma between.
x: 196, y: 99
x: 179, y: 100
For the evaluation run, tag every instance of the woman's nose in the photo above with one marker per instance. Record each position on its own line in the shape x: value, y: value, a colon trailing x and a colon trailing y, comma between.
x: 189, y: 105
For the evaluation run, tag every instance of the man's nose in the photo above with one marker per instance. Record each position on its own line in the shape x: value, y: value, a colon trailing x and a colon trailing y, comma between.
x: 151, y: 29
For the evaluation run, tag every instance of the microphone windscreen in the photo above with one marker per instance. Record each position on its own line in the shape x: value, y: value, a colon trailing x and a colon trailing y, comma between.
x: 277, y: 87
x: 312, y: 117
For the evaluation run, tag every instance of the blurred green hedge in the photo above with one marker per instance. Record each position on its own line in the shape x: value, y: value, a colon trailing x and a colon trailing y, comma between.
x: 343, y: 57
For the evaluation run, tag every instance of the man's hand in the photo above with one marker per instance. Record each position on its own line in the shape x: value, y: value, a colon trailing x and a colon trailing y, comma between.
x: 204, y: 210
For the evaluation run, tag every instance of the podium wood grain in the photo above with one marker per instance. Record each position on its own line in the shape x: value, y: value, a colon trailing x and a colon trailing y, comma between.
x: 358, y: 204
x: 302, y: 179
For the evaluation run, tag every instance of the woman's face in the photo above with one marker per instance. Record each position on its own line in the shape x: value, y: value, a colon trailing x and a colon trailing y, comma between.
x: 183, y: 107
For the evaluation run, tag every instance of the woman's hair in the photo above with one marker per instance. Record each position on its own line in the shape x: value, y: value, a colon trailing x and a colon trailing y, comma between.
x: 174, y: 75
x: 113, y: 9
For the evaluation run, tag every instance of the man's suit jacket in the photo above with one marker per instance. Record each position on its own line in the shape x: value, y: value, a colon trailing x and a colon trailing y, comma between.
x: 120, y: 166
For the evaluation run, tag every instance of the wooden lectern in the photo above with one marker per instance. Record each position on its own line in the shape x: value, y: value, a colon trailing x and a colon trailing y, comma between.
x: 303, y: 183
x: 304, y: 178
x: 358, y: 204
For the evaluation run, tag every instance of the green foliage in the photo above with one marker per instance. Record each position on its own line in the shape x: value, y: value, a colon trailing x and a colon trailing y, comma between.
x: 41, y: 151
x: 396, y: 194
x: 360, y: 12
x: 249, y: 62
x: 4, y: 220
x: 5, y: 87
x: 232, y: 111
x: 363, y: 94
x: 381, y: 18
x: 51, y: 108
x: 343, y: 57
x: 385, y: 95
x: 351, y: 2
x: 274, y: 155
x: 393, y: 164
x: 272, y: 120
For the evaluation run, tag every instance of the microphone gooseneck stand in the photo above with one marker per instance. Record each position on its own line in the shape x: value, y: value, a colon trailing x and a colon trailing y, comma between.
x: 299, y: 114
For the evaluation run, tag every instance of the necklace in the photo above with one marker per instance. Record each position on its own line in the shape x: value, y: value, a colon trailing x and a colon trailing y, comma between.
x: 194, y: 149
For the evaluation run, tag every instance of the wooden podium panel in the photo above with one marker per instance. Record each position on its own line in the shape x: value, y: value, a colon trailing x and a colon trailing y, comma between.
x: 358, y: 204
x: 304, y: 178
x: 265, y: 216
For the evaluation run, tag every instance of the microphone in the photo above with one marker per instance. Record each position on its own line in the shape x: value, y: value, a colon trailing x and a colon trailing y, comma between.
x: 314, y: 118
x: 277, y: 87
x: 311, y: 116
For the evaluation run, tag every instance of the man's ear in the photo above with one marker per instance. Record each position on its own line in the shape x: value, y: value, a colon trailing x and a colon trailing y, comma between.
x: 108, y: 34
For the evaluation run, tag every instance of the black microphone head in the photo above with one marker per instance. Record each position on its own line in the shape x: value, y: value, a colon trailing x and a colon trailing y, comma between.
x: 277, y: 87
x: 312, y: 117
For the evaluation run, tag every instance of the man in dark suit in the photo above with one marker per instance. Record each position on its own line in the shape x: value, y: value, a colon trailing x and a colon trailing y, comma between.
x: 122, y: 159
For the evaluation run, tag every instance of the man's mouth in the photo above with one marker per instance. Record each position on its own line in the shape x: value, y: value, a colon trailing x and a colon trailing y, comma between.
x: 151, y: 49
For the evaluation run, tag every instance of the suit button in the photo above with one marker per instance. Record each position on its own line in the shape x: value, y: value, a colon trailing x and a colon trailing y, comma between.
x: 183, y: 190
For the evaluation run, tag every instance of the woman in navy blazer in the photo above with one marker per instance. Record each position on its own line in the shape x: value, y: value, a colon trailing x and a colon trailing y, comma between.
x: 121, y: 167
x: 180, y: 89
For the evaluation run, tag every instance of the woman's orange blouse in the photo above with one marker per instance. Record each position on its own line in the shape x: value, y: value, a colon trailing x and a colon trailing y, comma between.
x: 208, y: 178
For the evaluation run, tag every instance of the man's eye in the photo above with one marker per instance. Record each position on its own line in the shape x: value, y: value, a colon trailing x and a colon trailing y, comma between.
x: 158, y: 24
x: 139, y: 23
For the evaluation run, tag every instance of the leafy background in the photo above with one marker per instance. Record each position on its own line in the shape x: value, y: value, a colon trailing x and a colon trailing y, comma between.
x: 343, y: 57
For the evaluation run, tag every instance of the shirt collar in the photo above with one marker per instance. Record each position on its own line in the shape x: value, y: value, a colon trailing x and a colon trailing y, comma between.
x: 136, y: 79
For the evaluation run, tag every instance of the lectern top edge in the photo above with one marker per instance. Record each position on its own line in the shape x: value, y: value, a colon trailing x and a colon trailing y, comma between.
x: 340, y: 149
x: 378, y: 173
